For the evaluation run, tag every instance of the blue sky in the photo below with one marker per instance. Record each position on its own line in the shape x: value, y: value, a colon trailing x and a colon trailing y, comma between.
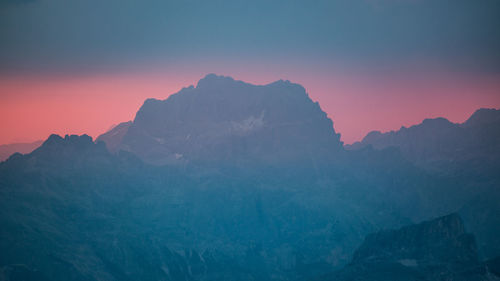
x: 90, y: 35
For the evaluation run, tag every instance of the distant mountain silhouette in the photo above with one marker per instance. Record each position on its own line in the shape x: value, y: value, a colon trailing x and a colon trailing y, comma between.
x: 439, y: 249
x: 438, y: 143
x: 227, y: 120
x: 68, y: 151
x: 7, y: 150
x: 113, y: 138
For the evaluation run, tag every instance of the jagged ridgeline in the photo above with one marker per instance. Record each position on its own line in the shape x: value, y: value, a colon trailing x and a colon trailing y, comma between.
x: 233, y: 181
x: 226, y: 120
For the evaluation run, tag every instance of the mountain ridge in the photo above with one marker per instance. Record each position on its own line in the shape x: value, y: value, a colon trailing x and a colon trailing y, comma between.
x: 6, y: 150
x: 440, y: 144
x: 277, y: 197
x: 222, y: 119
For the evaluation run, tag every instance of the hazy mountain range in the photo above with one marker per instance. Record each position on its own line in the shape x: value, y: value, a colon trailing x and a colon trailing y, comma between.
x: 7, y: 150
x: 438, y: 143
x: 233, y: 181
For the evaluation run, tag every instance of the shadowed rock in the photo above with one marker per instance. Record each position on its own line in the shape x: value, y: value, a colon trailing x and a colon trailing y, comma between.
x: 439, y: 249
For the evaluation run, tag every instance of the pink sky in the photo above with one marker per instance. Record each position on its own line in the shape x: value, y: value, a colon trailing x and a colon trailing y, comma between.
x: 32, y: 108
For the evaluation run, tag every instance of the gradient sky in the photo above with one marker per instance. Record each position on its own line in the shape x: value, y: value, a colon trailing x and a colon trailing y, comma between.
x: 81, y: 66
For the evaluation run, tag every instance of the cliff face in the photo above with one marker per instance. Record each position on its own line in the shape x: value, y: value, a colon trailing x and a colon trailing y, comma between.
x: 223, y: 119
x: 439, y: 249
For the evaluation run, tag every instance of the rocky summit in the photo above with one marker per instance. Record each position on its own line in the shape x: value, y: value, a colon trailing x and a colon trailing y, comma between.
x: 223, y: 119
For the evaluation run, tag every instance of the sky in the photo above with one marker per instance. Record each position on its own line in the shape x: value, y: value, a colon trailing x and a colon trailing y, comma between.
x: 81, y: 66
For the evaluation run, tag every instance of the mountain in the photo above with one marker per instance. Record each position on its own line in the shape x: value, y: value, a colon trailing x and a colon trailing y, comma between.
x: 7, y: 150
x: 439, y: 249
x: 466, y: 155
x: 223, y: 119
x: 71, y: 210
x: 440, y: 144
x: 230, y: 181
x: 114, y: 136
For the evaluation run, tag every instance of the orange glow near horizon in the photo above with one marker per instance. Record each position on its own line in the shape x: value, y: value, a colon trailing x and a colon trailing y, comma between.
x: 33, y: 108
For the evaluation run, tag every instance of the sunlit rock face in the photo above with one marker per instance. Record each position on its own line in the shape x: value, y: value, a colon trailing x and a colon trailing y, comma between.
x: 222, y: 119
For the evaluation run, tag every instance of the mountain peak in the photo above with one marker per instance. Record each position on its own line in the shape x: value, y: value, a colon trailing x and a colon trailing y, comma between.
x: 483, y: 116
x: 73, y: 140
x: 214, y: 80
x: 436, y: 122
x: 223, y: 118
x: 69, y: 148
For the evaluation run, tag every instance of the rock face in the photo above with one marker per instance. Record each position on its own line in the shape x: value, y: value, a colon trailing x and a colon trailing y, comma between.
x: 223, y: 119
x: 433, y: 250
x: 442, y: 240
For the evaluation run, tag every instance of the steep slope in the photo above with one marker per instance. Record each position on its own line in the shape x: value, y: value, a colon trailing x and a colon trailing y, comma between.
x: 113, y: 137
x: 433, y: 250
x: 226, y: 120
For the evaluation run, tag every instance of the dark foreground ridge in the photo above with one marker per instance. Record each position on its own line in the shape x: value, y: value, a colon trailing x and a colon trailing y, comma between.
x: 439, y: 249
